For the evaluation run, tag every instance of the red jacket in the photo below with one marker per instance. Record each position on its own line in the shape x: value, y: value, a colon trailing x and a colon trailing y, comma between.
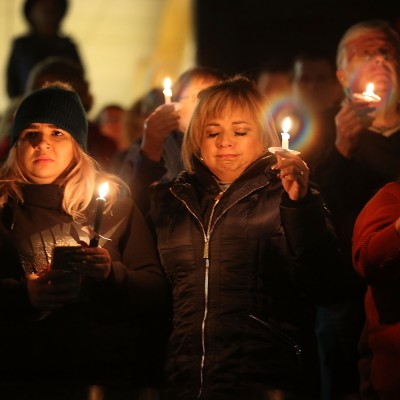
x: 376, y: 257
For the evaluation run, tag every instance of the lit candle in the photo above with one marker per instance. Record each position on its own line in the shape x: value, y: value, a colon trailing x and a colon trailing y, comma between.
x: 101, y: 201
x: 167, y: 90
x: 285, y: 133
x: 368, y: 95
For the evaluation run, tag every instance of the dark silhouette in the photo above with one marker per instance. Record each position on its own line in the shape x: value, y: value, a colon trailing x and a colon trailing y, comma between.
x: 43, y: 40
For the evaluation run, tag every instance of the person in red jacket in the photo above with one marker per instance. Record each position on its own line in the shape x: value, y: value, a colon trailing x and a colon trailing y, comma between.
x: 376, y: 257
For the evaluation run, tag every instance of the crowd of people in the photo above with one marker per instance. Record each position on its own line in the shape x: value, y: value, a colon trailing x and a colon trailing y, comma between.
x: 219, y: 263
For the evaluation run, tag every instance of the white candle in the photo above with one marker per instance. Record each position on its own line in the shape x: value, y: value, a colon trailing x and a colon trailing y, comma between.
x: 285, y: 134
x: 101, y: 201
x: 167, y: 90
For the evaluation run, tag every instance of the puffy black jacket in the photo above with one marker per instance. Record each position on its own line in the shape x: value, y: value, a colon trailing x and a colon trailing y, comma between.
x: 246, y: 266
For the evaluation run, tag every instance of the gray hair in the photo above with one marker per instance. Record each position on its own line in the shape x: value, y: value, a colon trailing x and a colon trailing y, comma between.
x: 361, y: 28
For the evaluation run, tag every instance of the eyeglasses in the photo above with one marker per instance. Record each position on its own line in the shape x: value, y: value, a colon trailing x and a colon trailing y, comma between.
x: 388, y: 53
x: 189, y: 97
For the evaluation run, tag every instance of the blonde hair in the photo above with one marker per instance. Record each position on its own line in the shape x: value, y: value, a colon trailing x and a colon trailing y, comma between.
x: 80, y: 182
x: 236, y: 92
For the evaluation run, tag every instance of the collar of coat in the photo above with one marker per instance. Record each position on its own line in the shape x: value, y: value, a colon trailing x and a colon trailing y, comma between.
x: 258, y: 170
x: 257, y: 175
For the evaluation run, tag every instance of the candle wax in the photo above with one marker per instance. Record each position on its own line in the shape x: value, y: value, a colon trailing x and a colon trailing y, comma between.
x: 99, y: 214
x: 285, y: 140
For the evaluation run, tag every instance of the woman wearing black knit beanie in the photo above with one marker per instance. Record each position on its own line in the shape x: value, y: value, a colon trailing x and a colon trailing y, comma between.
x: 84, y: 320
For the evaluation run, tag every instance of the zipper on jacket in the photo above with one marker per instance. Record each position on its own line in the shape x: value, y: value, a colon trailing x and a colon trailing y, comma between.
x: 206, y: 256
x: 287, y: 339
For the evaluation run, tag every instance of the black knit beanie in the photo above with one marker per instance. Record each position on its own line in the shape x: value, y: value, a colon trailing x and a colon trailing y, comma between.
x: 52, y: 105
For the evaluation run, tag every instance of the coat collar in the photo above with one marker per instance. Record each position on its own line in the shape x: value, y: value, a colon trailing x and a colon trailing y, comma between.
x: 258, y: 174
x: 259, y: 170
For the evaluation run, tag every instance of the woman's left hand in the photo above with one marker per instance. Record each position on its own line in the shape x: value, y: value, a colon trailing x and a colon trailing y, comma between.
x: 294, y: 174
x: 93, y: 262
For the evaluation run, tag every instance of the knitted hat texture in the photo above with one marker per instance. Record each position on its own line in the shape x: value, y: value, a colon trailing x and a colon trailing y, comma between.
x: 51, y: 105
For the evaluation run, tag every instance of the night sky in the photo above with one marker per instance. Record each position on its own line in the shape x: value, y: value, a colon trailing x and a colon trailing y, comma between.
x: 238, y: 35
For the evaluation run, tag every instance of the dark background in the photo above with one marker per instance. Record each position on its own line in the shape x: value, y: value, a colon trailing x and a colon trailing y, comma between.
x: 236, y: 36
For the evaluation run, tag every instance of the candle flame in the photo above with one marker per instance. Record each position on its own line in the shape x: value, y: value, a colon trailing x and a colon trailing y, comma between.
x: 167, y: 87
x: 103, y: 190
x: 286, y: 124
x: 370, y: 88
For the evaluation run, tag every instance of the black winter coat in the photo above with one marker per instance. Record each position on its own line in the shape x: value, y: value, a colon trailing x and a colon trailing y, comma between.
x: 246, y: 266
x: 110, y: 334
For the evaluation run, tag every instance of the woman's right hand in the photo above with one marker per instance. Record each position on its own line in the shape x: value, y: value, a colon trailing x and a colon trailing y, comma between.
x: 51, y: 290
x: 294, y: 174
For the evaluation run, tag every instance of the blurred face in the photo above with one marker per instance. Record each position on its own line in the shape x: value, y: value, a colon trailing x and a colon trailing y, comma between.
x: 230, y: 144
x: 370, y: 58
x: 46, y: 16
x: 44, y: 152
x: 111, y: 123
x: 188, y: 100
x: 314, y: 81
x: 274, y: 84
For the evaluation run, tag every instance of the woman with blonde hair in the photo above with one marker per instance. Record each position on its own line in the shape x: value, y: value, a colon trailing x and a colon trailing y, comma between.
x: 82, y: 319
x: 245, y: 243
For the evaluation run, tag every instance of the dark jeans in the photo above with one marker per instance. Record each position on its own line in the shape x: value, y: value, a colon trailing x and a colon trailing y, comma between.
x: 338, y: 329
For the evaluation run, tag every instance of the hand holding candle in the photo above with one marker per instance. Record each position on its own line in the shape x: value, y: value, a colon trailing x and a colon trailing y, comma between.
x: 101, y: 201
x: 167, y: 90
